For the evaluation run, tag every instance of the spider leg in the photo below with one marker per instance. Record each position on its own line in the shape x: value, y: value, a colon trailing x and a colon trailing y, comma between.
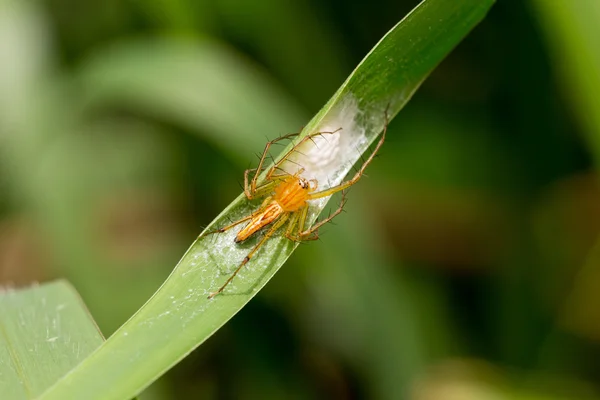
x: 297, y: 216
x: 357, y: 175
x: 299, y: 223
x: 227, y: 227
x: 302, y: 235
x: 252, y: 193
x: 252, y: 188
x: 249, y: 256
x: 286, y: 155
x: 247, y: 188
x: 236, y: 223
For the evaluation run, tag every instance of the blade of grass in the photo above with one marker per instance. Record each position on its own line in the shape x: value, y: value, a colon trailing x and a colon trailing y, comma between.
x: 179, y: 317
x: 202, y: 86
x: 572, y: 32
x: 44, y: 332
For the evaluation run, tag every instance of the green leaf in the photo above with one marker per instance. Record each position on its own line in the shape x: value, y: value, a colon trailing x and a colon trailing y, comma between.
x: 202, y: 86
x: 572, y: 30
x: 179, y: 317
x: 44, y: 332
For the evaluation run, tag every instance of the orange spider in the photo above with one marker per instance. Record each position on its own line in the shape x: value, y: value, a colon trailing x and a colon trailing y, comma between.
x: 286, y: 200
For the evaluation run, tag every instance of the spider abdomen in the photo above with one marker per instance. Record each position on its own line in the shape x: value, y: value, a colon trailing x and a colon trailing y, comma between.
x: 270, y: 213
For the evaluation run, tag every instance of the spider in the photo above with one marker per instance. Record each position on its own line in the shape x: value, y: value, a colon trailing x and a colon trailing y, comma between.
x: 286, y: 200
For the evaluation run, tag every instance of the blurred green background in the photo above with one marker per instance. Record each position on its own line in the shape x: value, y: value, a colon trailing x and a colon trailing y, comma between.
x: 465, y: 267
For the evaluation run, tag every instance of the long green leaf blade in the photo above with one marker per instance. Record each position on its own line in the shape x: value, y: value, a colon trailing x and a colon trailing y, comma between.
x: 572, y: 30
x: 179, y: 317
x: 44, y: 332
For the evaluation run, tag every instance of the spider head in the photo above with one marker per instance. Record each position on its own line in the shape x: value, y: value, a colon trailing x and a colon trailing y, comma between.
x: 307, y: 184
x: 304, y: 184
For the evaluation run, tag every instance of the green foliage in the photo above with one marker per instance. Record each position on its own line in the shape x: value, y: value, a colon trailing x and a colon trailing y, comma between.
x: 45, y: 331
x: 572, y: 32
x: 195, y: 85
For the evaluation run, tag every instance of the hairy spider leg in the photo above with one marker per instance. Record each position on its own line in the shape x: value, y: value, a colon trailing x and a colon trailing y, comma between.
x: 278, y: 223
x: 250, y: 189
x: 357, y: 176
x: 301, y: 234
x: 262, y: 160
x: 306, y: 138
x: 246, y: 218
x: 313, y: 232
x: 252, y: 193
x: 297, y: 218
